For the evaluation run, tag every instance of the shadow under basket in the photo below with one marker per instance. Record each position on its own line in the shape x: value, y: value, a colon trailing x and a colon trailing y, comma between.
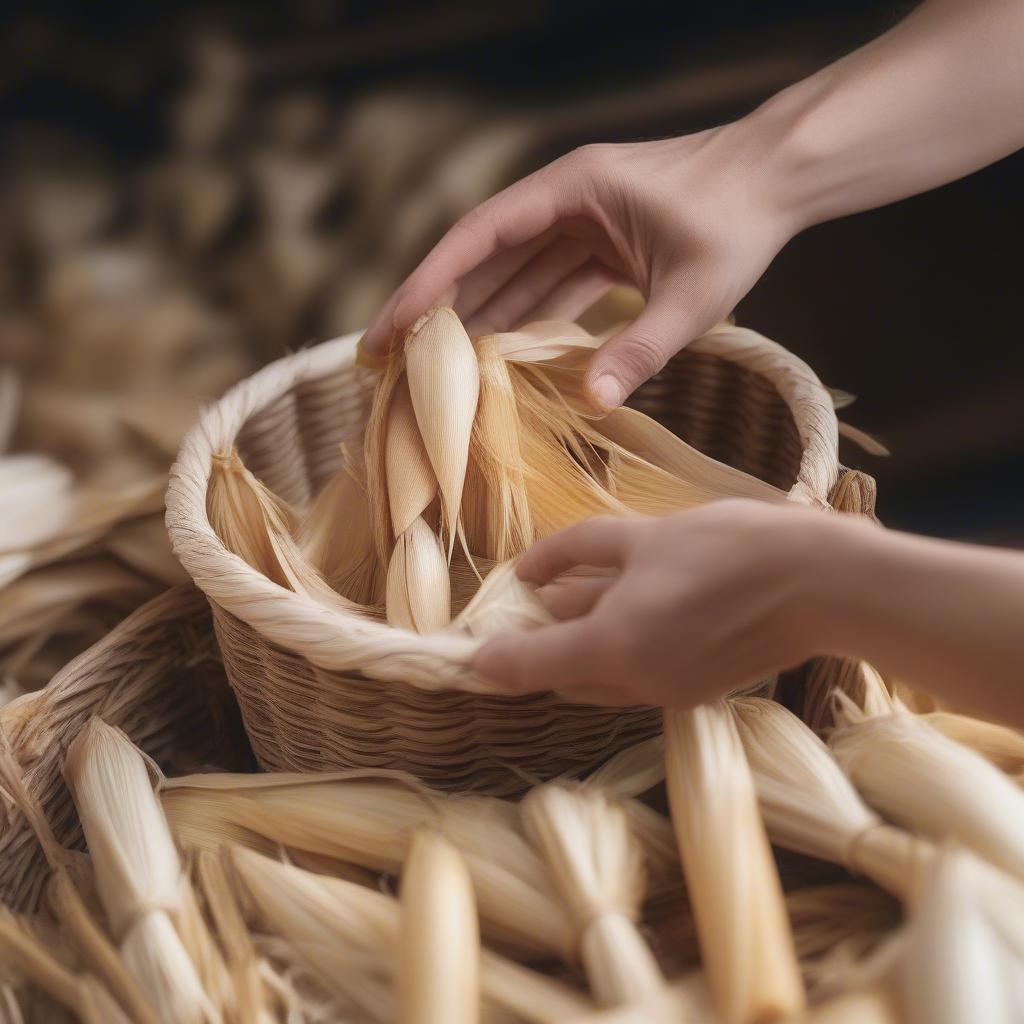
x: 733, y: 394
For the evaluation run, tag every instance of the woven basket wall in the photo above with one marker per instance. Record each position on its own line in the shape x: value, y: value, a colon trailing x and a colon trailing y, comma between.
x: 733, y: 394
x: 157, y: 676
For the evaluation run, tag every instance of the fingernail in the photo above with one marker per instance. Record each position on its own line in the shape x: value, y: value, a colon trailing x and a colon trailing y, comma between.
x: 608, y: 391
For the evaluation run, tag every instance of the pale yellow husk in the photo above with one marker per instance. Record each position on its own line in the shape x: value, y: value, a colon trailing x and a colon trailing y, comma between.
x: 745, y: 939
x: 915, y: 775
x: 439, y: 941
x: 331, y: 920
x: 138, y: 874
x: 366, y: 819
x: 597, y: 867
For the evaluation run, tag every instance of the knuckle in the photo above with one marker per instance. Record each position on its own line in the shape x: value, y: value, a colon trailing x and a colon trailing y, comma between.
x: 594, y: 158
x: 642, y: 353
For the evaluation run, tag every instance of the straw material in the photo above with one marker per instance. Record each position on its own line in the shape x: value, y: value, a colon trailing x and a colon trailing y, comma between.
x: 368, y: 820
x: 138, y: 874
x: 597, y: 868
x: 956, y: 969
x: 1000, y: 744
x: 332, y: 922
x: 439, y: 945
x: 155, y: 675
x: 299, y: 668
x: 746, y: 943
x: 913, y: 774
x: 810, y: 806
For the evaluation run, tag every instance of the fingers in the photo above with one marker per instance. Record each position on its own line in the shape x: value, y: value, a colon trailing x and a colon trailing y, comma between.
x: 484, y: 281
x: 572, y: 598
x: 563, y: 656
x: 576, y: 294
x: 520, y: 213
x: 603, y: 542
x: 640, y: 350
x: 549, y: 267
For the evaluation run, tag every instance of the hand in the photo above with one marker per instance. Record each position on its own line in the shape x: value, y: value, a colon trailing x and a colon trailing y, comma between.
x: 698, y: 604
x: 689, y: 221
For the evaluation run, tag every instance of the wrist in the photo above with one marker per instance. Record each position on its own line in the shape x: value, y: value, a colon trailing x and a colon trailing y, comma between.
x: 802, y: 152
x: 836, y: 591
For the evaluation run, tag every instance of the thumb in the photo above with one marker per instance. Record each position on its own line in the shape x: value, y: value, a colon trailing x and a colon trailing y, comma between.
x: 642, y: 348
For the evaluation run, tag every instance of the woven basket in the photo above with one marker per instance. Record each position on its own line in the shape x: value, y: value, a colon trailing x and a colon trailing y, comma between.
x: 733, y: 394
x: 157, y: 676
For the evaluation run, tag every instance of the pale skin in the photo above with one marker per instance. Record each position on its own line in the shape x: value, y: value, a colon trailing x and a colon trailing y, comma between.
x: 708, y: 600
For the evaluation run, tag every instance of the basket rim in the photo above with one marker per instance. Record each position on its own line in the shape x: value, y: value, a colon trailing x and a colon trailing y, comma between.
x: 434, y: 660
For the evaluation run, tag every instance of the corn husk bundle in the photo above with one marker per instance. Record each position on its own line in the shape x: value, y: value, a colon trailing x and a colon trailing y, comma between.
x: 916, y: 775
x: 957, y: 968
x: 746, y: 941
x: 597, y: 867
x: 331, y: 922
x: 439, y: 947
x: 367, y: 819
x: 139, y: 877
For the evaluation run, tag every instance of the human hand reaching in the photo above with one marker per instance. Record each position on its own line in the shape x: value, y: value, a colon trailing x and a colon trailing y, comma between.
x: 693, y: 222
x: 688, y: 221
x: 697, y: 604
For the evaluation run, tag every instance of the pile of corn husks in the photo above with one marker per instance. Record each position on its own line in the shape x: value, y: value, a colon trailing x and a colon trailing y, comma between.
x: 356, y: 896
x: 738, y: 868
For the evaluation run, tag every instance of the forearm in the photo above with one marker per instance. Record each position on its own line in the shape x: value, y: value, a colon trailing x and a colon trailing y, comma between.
x: 935, y: 98
x: 946, y: 618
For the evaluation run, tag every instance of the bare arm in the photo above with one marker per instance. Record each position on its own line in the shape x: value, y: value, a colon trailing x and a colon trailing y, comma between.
x: 947, y: 618
x: 694, y: 221
x: 938, y: 96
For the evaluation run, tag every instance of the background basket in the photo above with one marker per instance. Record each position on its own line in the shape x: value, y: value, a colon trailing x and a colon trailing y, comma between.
x: 157, y: 676
x: 733, y: 394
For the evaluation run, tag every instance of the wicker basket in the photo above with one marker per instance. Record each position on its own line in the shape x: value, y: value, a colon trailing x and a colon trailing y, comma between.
x: 157, y: 676
x: 733, y: 394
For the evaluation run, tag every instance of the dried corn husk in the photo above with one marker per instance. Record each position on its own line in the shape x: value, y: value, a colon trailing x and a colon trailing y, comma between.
x: 496, y: 510
x: 439, y: 945
x: 504, y: 603
x: 1000, y: 744
x: 955, y: 966
x: 914, y: 774
x: 633, y: 771
x: 746, y: 943
x: 254, y: 525
x: 444, y: 383
x: 367, y: 820
x: 337, y: 535
x: 810, y: 806
x: 330, y: 921
x: 418, y: 589
x: 96, y: 950
x: 252, y: 1004
x: 82, y: 995
x: 597, y: 867
x: 138, y: 875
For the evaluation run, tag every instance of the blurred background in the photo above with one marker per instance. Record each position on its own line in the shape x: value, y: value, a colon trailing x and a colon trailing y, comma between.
x: 190, y: 191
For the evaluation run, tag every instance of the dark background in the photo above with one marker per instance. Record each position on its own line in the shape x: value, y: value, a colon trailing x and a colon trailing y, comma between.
x: 187, y: 136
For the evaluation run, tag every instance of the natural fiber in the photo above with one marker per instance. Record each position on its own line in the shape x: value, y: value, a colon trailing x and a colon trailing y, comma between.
x: 439, y: 942
x: 913, y: 774
x: 287, y: 656
x: 746, y: 943
x: 597, y: 867
x: 367, y: 819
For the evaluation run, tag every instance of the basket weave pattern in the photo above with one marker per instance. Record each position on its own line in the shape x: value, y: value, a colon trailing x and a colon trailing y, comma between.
x: 734, y: 395
x: 156, y: 676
